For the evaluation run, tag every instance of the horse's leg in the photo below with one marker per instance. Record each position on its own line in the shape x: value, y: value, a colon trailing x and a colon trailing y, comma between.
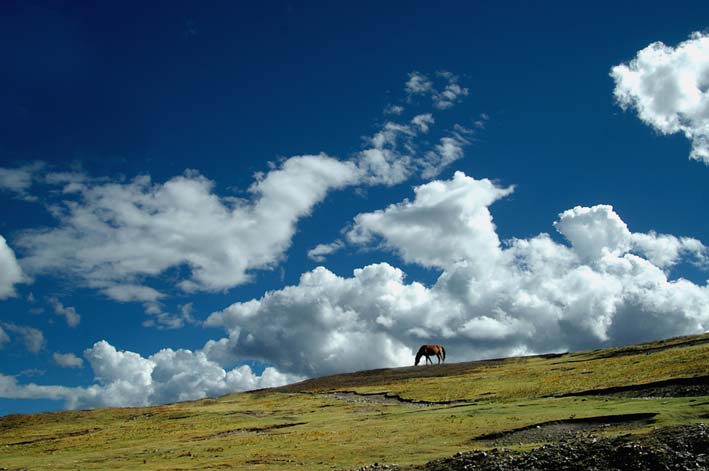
x: 428, y: 360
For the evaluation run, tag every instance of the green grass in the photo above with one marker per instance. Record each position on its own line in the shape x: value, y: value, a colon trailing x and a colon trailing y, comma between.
x: 302, y: 427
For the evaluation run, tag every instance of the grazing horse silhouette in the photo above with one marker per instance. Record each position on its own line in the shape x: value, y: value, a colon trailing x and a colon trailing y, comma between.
x: 428, y: 351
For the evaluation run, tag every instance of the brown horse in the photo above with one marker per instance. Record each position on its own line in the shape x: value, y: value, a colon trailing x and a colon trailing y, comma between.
x: 428, y: 351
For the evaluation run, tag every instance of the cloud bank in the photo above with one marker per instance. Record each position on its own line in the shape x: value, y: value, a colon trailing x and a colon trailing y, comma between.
x: 669, y: 89
x: 125, y: 378
x: 607, y: 286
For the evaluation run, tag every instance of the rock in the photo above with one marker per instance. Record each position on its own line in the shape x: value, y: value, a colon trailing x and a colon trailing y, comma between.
x: 677, y: 448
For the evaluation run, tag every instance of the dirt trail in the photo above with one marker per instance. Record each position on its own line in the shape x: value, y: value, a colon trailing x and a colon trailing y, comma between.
x: 557, y: 430
x: 681, y: 387
x: 386, y: 399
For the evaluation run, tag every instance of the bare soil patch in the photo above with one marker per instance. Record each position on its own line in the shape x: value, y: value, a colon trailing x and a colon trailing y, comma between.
x: 564, y: 429
x: 268, y: 428
x: 681, y: 387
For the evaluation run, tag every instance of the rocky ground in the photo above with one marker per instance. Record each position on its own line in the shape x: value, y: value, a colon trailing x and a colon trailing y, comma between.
x: 584, y: 445
x: 677, y: 448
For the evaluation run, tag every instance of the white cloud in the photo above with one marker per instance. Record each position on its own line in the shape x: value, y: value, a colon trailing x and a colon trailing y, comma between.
x: 594, y: 231
x: 393, y: 155
x: 450, y: 149
x: 67, y: 360
x: 394, y: 109
x: 164, y: 320
x: 122, y: 292
x: 666, y: 250
x: 124, y: 378
x: 443, y: 98
x: 448, y: 221
x: 325, y: 324
x: 389, y: 160
x: 33, y: 339
x: 449, y: 96
x: 10, y: 271
x: 10, y: 389
x: 117, y: 234
x: 423, y: 122
x: 321, y: 251
x: 120, y: 236
x: 597, y: 231
x: 417, y: 84
x: 19, y: 180
x: 669, y: 89
x: 491, y: 299
x: 69, y: 313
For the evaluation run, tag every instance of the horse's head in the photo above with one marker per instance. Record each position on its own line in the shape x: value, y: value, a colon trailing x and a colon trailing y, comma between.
x: 419, y: 354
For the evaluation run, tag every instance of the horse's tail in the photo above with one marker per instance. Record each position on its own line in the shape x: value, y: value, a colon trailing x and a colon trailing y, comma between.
x: 419, y: 354
x: 443, y: 350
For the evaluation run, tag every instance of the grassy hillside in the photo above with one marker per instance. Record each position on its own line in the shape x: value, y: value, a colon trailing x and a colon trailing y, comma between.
x: 400, y: 415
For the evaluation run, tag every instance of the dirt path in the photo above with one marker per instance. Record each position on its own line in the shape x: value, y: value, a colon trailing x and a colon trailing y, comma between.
x: 681, y: 387
x: 558, y: 430
x: 386, y: 399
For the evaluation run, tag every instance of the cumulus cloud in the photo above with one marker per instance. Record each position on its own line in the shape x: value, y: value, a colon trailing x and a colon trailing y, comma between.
x: 31, y: 338
x: 594, y: 231
x: 10, y: 271
x: 447, y: 222
x: 668, y: 88
x: 666, y: 250
x: 325, y: 324
x: 67, y: 360
x: 321, y: 251
x: 607, y: 286
x: 124, y: 378
x: 69, y: 313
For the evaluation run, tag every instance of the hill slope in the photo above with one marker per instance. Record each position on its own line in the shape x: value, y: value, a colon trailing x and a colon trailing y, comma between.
x: 400, y: 415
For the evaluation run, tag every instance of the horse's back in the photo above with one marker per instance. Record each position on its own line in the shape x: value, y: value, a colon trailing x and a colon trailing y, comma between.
x: 431, y: 349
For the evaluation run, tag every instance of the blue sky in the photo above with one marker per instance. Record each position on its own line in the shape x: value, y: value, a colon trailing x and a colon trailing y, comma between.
x: 204, y: 199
